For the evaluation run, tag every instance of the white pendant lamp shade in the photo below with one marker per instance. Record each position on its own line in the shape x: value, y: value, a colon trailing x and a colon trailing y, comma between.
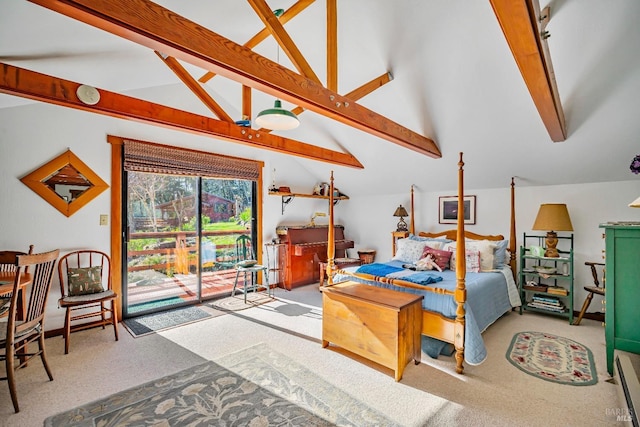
x: 277, y: 118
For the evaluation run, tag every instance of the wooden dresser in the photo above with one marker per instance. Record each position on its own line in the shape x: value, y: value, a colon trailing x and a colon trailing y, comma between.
x: 379, y: 324
x: 622, y: 284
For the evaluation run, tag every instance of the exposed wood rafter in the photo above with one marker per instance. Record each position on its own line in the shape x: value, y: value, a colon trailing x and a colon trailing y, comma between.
x: 157, y: 28
x: 332, y: 45
x: 297, y: 7
x: 41, y: 87
x: 271, y: 21
x: 357, y: 93
x: 195, y: 87
x: 246, y: 103
x: 523, y: 27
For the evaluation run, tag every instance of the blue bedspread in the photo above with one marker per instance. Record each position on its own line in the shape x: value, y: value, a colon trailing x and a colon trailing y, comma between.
x: 386, y: 270
x: 487, y: 300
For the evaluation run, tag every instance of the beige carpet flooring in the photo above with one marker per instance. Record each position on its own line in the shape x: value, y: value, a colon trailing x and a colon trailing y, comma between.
x: 494, y: 393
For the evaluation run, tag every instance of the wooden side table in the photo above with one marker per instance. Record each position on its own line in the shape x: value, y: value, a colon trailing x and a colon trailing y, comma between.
x: 379, y: 324
x: 339, y: 263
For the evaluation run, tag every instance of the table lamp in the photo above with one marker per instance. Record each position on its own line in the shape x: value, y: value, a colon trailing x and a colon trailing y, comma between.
x: 401, y: 212
x: 552, y: 216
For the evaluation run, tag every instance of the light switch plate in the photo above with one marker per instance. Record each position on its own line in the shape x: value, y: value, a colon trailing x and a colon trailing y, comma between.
x: 104, y: 219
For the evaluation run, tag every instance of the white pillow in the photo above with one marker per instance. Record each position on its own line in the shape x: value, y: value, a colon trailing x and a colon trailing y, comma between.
x: 486, y: 249
x: 472, y: 261
x: 410, y: 251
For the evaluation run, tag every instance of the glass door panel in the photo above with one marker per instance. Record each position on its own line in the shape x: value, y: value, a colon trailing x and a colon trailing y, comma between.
x: 162, y: 242
x: 227, y: 213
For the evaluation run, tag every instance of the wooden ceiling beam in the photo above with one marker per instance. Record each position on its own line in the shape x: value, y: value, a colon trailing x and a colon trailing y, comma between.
x: 297, y: 7
x: 157, y: 28
x: 246, y: 103
x: 271, y: 21
x: 522, y: 26
x: 362, y: 91
x: 41, y: 87
x: 332, y: 45
x: 370, y: 86
x: 195, y: 87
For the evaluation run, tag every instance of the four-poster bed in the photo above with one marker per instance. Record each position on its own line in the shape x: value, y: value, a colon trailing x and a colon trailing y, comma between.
x: 455, y: 304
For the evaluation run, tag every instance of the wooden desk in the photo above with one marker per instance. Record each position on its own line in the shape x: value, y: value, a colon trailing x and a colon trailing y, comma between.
x: 6, y: 287
x: 379, y: 324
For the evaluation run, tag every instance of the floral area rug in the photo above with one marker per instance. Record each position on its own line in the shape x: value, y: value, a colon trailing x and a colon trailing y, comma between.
x: 256, y: 387
x: 552, y: 358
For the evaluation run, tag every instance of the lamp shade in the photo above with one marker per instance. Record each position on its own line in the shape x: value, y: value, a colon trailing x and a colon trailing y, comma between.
x: 277, y: 118
x: 635, y: 203
x: 400, y: 211
x: 553, y: 216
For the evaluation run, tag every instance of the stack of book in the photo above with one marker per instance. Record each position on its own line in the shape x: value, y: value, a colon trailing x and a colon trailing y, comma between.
x: 556, y: 290
x: 549, y: 303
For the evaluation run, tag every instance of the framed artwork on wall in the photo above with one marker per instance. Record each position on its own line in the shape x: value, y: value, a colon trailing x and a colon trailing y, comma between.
x: 448, y: 210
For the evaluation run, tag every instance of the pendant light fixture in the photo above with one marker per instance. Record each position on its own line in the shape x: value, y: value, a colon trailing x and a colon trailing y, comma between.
x: 277, y: 118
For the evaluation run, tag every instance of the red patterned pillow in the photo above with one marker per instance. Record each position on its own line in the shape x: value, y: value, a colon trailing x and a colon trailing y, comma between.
x: 441, y: 257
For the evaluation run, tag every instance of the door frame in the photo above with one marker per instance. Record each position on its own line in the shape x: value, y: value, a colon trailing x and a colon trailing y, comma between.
x: 117, y: 212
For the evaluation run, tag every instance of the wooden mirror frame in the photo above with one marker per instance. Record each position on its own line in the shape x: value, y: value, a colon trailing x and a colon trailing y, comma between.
x: 35, y: 181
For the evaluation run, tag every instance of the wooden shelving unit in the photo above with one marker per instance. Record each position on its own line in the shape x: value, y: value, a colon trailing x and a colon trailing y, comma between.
x: 288, y: 197
x: 547, y: 300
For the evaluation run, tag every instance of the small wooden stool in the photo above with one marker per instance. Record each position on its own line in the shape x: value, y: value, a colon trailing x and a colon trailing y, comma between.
x: 339, y: 263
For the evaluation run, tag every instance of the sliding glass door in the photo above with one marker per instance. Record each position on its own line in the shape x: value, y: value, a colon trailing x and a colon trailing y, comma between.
x: 180, y: 238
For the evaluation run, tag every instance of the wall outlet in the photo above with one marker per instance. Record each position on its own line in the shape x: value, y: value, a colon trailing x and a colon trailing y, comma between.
x: 104, y: 219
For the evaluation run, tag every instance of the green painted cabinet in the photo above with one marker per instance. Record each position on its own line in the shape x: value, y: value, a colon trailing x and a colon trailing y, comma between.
x: 622, y: 284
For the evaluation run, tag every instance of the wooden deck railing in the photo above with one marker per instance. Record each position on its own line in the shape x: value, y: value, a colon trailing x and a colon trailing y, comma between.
x: 179, y: 256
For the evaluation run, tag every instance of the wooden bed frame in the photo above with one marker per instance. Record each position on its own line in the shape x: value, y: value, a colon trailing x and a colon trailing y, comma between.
x: 434, y: 324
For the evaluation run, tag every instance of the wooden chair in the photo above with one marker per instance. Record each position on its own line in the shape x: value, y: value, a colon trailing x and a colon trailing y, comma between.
x: 8, y: 264
x: 18, y: 334
x: 596, y: 289
x: 88, y: 292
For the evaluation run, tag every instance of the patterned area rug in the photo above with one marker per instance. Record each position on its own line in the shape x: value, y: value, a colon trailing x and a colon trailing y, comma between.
x: 253, y: 387
x: 552, y: 358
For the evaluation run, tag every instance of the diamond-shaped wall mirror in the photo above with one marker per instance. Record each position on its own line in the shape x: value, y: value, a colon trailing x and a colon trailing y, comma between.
x: 66, y: 182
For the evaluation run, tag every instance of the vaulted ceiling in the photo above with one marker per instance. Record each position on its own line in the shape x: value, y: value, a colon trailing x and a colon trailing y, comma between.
x: 397, y: 88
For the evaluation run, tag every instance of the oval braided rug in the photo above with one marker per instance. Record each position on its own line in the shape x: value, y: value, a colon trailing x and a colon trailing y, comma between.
x: 552, y: 358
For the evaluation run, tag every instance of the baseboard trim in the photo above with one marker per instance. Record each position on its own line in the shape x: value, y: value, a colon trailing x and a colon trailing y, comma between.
x: 630, y: 393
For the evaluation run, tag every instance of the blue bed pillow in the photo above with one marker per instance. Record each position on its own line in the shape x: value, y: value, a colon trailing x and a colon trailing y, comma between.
x: 500, y: 254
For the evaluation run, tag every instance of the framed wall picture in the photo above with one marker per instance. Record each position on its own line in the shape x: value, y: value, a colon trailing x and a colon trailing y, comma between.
x: 448, y: 210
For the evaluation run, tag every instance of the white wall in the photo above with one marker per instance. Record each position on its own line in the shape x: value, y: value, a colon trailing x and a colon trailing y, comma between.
x: 31, y: 135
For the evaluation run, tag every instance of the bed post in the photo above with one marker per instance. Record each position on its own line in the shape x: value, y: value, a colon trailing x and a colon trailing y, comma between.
x: 330, y: 237
x: 512, y: 233
x: 412, y: 225
x: 460, y: 295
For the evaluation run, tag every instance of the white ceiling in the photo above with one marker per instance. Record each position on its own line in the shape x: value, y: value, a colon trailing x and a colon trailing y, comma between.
x: 455, y: 81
